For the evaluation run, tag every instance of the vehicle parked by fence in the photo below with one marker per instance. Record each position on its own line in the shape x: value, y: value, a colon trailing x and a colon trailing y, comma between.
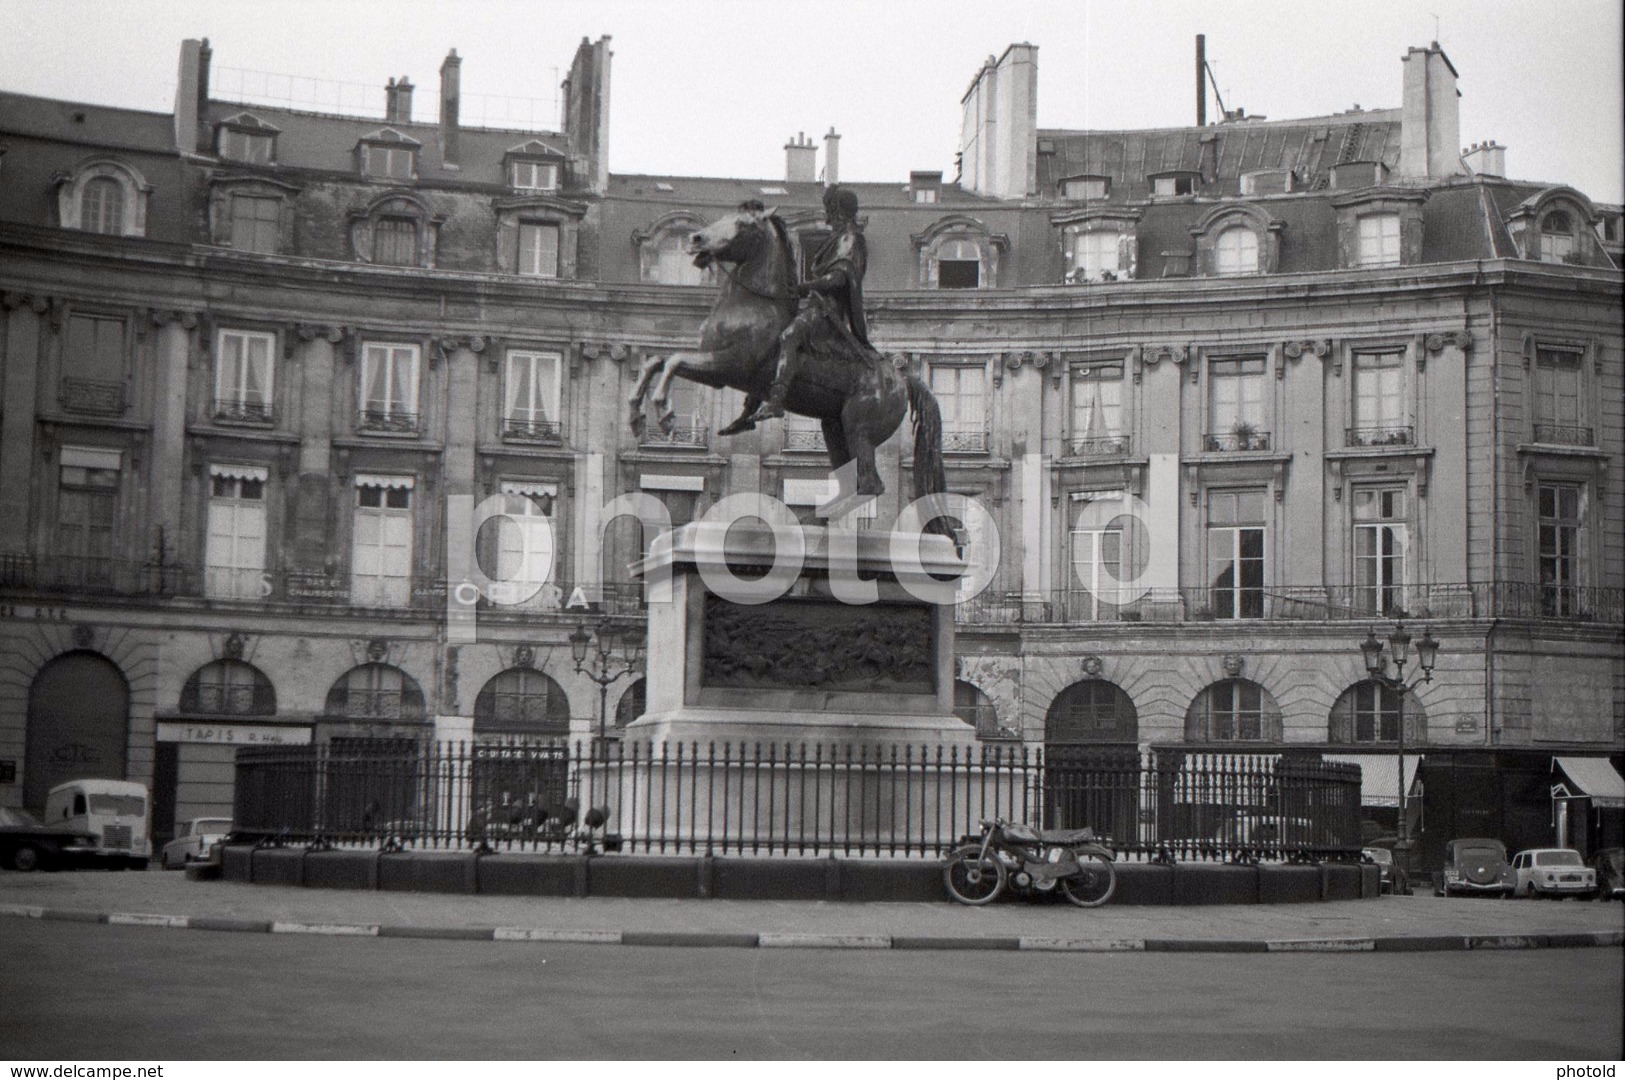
x: 1556, y: 872
x: 26, y: 843
x: 196, y: 838
x: 1475, y: 866
x: 113, y: 813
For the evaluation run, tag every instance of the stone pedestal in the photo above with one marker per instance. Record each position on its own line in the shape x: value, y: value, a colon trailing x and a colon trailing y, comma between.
x: 811, y: 663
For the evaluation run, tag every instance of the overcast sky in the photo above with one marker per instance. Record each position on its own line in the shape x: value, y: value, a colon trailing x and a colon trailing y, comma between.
x: 716, y: 87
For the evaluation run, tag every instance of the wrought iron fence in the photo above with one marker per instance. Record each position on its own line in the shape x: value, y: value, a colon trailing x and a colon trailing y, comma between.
x: 1099, y: 445
x: 900, y: 801
x: 1564, y: 435
x: 1384, y: 435
x: 519, y: 427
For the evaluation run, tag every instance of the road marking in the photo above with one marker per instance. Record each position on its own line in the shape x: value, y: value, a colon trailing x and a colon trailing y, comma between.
x: 1504, y: 941
x: 1323, y: 945
x: 824, y: 941
x: 1048, y: 944
x: 22, y: 911
x: 136, y: 918
x: 334, y: 929
x: 585, y: 937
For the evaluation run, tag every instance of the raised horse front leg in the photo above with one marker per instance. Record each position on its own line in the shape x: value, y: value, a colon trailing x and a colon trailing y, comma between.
x: 635, y: 402
x: 744, y: 421
x: 677, y: 364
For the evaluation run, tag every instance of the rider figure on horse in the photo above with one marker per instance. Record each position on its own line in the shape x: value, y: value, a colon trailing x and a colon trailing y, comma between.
x: 835, y: 292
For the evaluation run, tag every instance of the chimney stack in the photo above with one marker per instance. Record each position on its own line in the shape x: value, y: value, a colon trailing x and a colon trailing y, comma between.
x: 403, y: 100
x: 1430, y: 116
x: 1485, y: 159
x: 800, y: 160
x: 192, y: 94
x: 451, y: 95
x: 832, y: 158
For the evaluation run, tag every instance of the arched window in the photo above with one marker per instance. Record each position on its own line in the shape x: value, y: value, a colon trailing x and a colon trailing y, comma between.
x: 376, y: 692
x: 1370, y: 712
x: 1235, y: 251
x: 1233, y: 710
x: 632, y: 704
x: 959, y: 265
x: 1556, y: 236
x: 228, y: 688
x: 522, y: 701
x: 958, y: 252
x: 1091, y: 711
x: 101, y: 206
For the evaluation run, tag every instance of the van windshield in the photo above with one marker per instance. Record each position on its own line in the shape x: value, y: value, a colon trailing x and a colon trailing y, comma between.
x: 121, y: 805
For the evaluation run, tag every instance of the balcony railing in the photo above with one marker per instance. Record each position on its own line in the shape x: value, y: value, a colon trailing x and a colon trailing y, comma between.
x: 544, y: 431
x: 1564, y: 435
x: 964, y: 440
x: 391, y: 420
x: 686, y: 432
x: 1226, y: 442
x: 255, y: 699
x: 890, y: 801
x: 1385, y: 435
x: 96, y: 397
x: 242, y: 412
x: 1100, y: 445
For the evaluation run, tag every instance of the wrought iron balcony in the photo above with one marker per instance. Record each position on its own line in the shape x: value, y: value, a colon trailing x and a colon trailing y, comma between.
x: 1100, y: 445
x: 96, y: 397
x: 387, y: 420
x: 1564, y: 435
x: 257, y: 699
x: 686, y: 432
x: 1234, y: 441
x: 528, y: 430
x: 1382, y: 435
x: 249, y: 412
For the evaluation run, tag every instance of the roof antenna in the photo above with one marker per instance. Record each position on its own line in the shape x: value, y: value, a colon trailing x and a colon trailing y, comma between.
x: 1435, y: 28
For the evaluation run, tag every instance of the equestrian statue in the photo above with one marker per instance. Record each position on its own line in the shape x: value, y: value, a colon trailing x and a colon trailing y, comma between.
x: 802, y: 347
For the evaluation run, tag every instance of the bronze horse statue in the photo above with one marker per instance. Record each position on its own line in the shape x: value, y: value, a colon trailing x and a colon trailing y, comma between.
x: 857, y: 394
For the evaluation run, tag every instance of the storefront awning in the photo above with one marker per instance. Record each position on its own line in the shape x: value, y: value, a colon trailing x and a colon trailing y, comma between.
x: 1379, y: 776
x: 1595, y: 777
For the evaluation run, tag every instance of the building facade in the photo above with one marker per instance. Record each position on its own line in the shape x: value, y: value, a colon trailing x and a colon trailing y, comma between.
x: 1231, y: 397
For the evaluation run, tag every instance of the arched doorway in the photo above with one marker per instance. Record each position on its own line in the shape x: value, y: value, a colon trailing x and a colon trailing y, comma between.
x: 1092, y: 760
x: 78, y: 724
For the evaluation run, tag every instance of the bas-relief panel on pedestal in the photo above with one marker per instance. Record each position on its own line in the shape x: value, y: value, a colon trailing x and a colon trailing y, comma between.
x: 793, y: 644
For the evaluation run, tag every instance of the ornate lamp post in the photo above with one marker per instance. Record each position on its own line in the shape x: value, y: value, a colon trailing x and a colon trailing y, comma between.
x: 593, y: 652
x: 1376, y: 666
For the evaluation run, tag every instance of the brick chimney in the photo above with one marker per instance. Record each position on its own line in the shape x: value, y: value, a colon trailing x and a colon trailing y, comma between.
x: 832, y: 158
x: 1485, y: 159
x: 998, y: 141
x: 801, y: 159
x: 451, y: 96
x: 1430, y: 116
x: 192, y: 95
x: 398, y: 101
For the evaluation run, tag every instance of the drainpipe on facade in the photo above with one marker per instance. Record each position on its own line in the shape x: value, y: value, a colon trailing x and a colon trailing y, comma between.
x: 1491, y: 735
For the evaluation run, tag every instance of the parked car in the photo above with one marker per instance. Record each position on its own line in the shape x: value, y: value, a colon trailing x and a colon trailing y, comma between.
x: 1394, y: 879
x: 1609, y: 863
x: 1475, y: 867
x: 112, y: 812
x: 193, y: 842
x: 1556, y: 872
x: 28, y: 844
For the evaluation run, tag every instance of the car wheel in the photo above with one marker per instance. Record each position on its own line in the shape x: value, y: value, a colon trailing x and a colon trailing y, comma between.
x: 25, y: 858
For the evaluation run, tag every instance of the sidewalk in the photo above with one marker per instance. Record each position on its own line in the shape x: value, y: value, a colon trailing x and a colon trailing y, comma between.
x: 168, y: 899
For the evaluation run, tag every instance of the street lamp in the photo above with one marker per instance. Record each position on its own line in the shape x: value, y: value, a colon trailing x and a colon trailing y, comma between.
x: 1376, y: 666
x: 593, y: 652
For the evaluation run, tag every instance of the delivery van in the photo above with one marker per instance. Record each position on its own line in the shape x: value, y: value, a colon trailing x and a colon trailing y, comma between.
x: 112, y: 812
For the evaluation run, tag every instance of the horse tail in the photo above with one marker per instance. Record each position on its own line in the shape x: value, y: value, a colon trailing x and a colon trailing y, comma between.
x: 930, y: 478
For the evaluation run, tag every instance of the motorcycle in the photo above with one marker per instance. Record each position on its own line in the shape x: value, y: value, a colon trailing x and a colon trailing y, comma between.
x: 1031, y: 861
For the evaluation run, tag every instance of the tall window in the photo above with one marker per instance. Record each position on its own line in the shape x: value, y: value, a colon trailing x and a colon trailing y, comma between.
x: 532, y: 394
x: 389, y: 387
x: 1097, y: 409
x: 1556, y: 236
x: 381, y: 558
x: 959, y: 392
x: 242, y: 387
x: 959, y: 265
x: 256, y: 224
x: 234, y: 554
x: 87, y: 515
x: 1378, y: 711
x: 1378, y: 240
x: 534, y: 175
x: 1235, y: 554
x: 1096, y: 256
x: 523, y: 546
x: 1097, y: 567
x: 1379, y: 400
x: 1235, y: 251
x: 538, y: 249
x: 1558, y: 399
x: 395, y: 241
x: 101, y: 206
x: 1561, y: 521
x: 1236, y: 404
x: 1379, y: 550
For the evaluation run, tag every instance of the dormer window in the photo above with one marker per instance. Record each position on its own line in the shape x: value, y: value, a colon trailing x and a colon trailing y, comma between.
x: 1085, y: 187
x: 1377, y: 240
x: 1237, y: 239
x: 103, y: 196
x: 101, y: 206
x: 1556, y: 237
x: 388, y: 155
x: 924, y: 187
x: 534, y: 175
x: 395, y: 230
x: 1174, y: 183
x: 246, y: 138
x: 1558, y: 225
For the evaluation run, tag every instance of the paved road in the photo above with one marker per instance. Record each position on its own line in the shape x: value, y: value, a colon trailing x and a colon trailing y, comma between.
x: 168, y: 994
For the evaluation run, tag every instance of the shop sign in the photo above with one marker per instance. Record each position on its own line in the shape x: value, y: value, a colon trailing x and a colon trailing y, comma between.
x: 233, y: 734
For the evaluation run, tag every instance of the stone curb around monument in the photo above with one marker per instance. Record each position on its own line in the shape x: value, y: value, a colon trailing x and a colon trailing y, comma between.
x: 781, y: 940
